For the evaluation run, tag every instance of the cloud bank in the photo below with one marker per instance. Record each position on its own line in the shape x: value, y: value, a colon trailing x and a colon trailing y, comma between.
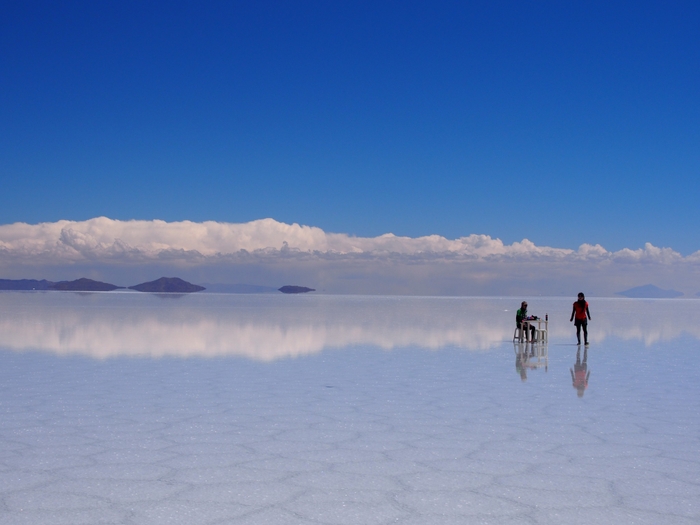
x: 271, y: 252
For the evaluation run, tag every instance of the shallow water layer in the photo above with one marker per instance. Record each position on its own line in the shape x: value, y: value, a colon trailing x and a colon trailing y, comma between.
x: 135, y: 409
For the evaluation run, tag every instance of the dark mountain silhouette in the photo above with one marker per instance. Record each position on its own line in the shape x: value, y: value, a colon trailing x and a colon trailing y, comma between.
x: 84, y: 285
x: 167, y: 284
x: 25, y: 284
x: 649, y: 291
x: 295, y: 289
x: 79, y: 285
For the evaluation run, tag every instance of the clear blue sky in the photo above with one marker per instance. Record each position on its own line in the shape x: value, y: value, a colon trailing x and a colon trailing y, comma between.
x: 562, y: 122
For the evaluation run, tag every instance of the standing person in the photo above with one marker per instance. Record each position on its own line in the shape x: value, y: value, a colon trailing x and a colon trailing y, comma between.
x: 580, y: 312
x: 520, y: 316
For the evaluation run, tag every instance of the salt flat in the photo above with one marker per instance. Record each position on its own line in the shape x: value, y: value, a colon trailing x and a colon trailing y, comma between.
x: 207, y: 409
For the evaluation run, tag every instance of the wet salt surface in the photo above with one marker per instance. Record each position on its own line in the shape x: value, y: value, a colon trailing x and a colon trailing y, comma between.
x: 353, y: 410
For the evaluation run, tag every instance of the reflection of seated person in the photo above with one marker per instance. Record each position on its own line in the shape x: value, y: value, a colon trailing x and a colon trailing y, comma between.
x: 580, y: 373
x: 520, y: 320
x: 522, y: 359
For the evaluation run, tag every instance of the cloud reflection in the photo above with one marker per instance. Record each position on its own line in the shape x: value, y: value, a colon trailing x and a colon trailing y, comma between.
x: 266, y: 328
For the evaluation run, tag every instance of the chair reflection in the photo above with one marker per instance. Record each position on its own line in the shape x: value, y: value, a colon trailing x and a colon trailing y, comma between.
x: 530, y: 356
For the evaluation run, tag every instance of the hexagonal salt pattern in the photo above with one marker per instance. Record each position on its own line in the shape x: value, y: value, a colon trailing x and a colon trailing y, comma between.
x: 356, y: 433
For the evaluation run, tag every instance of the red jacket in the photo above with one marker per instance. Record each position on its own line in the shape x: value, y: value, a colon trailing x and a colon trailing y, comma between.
x: 580, y: 310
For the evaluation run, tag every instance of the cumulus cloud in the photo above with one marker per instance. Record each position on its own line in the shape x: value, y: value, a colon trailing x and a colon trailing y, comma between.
x: 267, y: 249
x: 107, y: 238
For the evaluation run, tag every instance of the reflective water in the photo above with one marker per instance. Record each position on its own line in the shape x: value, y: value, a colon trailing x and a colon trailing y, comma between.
x: 130, y: 409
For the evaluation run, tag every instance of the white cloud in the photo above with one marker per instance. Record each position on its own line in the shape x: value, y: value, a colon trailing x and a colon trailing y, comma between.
x: 649, y: 253
x: 104, y: 238
x: 268, y: 251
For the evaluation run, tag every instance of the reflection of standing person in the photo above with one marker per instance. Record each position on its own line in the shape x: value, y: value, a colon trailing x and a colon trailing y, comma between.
x: 520, y: 316
x: 580, y: 312
x: 580, y: 373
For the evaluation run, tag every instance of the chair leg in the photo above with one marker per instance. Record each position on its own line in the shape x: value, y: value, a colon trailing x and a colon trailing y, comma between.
x: 518, y: 334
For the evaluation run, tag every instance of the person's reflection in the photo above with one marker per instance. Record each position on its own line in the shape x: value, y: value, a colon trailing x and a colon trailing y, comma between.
x: 580, y: 372
x: 523, y: 352
x: 529, y: 356
x: 521, y: 360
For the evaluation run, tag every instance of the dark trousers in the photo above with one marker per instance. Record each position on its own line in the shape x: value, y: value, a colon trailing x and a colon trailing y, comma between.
x: 581, y: 323
x: 528, y: 326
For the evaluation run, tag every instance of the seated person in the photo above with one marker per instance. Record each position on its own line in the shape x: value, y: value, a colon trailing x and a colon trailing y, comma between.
x: 521, y: 316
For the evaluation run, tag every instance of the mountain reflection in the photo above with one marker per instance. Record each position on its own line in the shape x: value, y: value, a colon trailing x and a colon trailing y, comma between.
x: 269, y: 327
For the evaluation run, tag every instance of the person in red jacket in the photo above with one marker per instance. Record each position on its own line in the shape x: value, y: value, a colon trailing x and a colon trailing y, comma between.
x: 580, y: 312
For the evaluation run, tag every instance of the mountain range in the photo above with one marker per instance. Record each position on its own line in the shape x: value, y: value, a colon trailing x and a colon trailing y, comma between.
x: 164, y: 284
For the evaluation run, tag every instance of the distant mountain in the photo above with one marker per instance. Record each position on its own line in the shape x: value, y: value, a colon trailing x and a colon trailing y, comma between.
x: 169, y: 285
x: 84, y: 285
x: 295, y: 289
x: 238, y: 288
x: 649, y: 291
x: 25, y: 284
x: 79, y: 285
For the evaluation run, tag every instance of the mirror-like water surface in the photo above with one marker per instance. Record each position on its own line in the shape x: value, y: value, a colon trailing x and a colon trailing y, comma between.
x: 268, y: 327
x: 337, y: 410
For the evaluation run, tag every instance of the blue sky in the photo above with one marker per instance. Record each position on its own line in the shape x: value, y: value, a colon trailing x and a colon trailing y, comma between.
x: 560, y: 122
